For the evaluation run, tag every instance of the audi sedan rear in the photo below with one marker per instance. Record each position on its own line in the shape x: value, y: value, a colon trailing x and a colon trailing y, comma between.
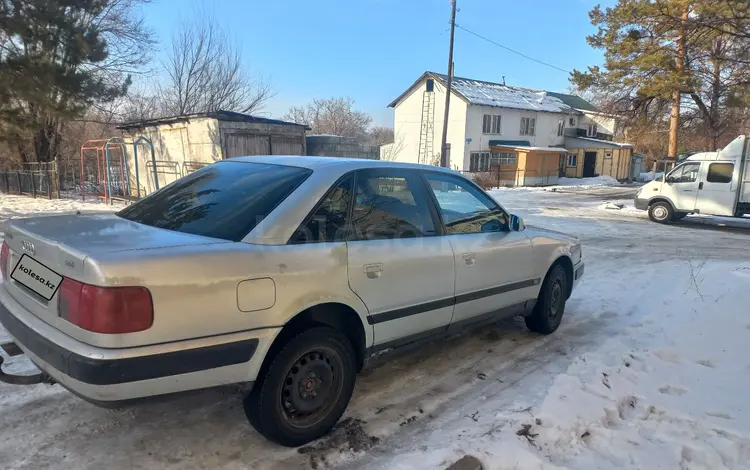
x: 285, y: 273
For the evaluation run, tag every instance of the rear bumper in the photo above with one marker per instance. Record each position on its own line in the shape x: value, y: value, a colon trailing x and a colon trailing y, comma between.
x: 641, y: 204
x: 106, y: 375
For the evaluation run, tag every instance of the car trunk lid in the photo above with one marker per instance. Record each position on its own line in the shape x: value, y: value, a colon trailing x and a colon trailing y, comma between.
x: 62, y: 244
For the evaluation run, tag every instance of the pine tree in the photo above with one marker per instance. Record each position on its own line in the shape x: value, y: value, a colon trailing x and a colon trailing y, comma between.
x: 57, y: 60
x: 692, y: 53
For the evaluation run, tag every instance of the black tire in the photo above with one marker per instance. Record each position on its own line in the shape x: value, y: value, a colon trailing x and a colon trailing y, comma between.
x: 320, y: 355
x: 661, y: 212
x: 680, y: 215
x: 550, y: 305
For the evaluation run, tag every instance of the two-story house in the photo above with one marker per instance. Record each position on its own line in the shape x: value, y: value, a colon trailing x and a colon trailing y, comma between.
x: 527, y: 137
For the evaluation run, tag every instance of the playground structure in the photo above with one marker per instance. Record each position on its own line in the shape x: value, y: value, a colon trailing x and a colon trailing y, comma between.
x: 106, y: 173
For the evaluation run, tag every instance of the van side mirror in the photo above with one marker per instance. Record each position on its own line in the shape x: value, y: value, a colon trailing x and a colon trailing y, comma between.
x: 516, y: 223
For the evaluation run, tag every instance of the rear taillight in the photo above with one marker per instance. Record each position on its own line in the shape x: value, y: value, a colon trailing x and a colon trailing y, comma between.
x: 4, y: 256
x: 111, y: 310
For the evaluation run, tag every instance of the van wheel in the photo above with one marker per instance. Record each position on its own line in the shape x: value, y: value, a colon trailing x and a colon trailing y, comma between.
x: 306, y: 390
x: 550, y: 305
x: 660, y: 212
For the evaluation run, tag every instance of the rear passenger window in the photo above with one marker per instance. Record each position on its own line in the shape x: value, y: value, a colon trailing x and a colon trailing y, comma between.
x: 720, y: 173
x: 328, y: 222
x: 388, y: 205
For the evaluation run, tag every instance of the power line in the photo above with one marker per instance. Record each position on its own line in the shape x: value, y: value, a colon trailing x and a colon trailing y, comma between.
x: 511, y: 50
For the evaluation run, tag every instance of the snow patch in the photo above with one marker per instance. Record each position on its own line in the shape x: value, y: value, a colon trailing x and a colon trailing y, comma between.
x: 595, y: 181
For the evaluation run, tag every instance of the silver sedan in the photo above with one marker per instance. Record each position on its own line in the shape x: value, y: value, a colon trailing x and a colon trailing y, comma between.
x: 285, y: 273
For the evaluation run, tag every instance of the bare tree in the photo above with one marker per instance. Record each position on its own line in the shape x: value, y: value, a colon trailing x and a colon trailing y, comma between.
x: 390, y: 151
x: 335, y: 116
x: 206, y: 73
x: 380, y: 135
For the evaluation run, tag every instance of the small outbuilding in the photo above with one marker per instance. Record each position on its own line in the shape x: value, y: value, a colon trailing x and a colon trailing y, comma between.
x: 588, y: 157
x: 183, y: 144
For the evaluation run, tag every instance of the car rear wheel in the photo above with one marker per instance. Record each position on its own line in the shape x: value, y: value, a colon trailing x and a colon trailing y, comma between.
x: 306, y: 389
x: 550, y: 305
x: 660, y: 212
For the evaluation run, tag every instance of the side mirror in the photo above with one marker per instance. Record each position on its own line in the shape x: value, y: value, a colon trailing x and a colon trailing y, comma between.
x: 516, y: 223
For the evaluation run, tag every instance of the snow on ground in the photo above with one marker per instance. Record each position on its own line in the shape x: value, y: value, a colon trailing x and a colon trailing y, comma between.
x: 648, y: 370
x: 595, y: 181
x: 22, y: 206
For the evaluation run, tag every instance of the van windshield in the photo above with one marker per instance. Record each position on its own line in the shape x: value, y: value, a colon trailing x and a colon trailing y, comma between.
x: 225, y: 200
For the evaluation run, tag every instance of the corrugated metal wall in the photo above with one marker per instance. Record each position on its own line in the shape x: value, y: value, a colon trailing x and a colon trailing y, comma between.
x: 241, y: 144
x: 241, y: 139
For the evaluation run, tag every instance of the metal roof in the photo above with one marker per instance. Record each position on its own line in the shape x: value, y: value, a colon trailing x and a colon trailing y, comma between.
x: 482, y: 93
x: 525, y: 143
x: 219, y: 115
x: 574, y: 101
x: 590, y: 142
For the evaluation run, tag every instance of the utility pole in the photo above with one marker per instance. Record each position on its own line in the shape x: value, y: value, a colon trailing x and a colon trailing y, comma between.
x: 444, y: 145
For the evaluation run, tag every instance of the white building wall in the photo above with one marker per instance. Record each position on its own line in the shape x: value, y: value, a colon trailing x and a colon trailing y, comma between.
x: 407, y: 125
x: 545, y: 133
x: 604, y: 124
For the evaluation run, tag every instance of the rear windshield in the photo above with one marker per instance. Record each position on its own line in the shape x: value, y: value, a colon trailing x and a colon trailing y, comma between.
x: 225, y: 200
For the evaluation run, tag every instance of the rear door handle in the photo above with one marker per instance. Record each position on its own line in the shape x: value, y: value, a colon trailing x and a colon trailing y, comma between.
x: 469, y: 258
x: 373, y: 271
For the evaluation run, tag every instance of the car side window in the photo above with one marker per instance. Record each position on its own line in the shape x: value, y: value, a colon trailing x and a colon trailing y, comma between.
x: 329, y: 221
x: 720, y: 173
x: 466, y: 209
x: 390, y: 205
x: 685, y: 173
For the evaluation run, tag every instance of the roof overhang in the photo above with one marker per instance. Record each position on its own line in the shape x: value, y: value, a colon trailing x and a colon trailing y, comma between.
x: 422, y: 78
x: 528, y: 149
x: 591, y: 143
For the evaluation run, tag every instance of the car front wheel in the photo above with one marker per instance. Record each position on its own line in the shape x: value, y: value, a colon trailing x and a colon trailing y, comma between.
x: 550, y: 304
x: 660, y: 212
x: 306, y: 389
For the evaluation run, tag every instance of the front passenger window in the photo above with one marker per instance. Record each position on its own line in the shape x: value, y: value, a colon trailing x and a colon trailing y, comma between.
x: 464, y: 208
x: 686, y: 173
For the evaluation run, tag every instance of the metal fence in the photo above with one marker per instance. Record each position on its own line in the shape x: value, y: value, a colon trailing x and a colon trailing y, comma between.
x: 498, y: 177
x: 31, y: 179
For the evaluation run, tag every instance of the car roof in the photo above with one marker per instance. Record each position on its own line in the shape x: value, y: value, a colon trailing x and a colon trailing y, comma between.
x: 341, y: 164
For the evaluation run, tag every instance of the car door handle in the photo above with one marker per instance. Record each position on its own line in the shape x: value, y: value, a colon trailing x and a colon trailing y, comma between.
x: 688, y: 190
x: 373, y: 271
x: 700, y: 185
x: 469, y: 258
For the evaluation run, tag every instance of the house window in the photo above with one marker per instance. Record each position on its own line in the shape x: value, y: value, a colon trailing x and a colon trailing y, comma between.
x: 503, y: 158
x: 591, y: 132
x: 572, y: 159
x: 491, y: 124
x: 430, y: 84
x: 527, y: 126
x: 572, y: 122
x: 479, y: 161
x: 560, y: 127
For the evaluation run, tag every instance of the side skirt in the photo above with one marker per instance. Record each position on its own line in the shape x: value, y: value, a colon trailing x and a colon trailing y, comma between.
x: 378, y: 353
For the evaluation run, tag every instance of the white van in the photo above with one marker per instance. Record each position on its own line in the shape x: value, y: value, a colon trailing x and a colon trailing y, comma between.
x: 711, y: 183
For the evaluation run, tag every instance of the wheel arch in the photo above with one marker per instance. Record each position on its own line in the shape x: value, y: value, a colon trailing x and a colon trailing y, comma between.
x: 656, y: 199
x: 334, y: 314
x: 567, y: 263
